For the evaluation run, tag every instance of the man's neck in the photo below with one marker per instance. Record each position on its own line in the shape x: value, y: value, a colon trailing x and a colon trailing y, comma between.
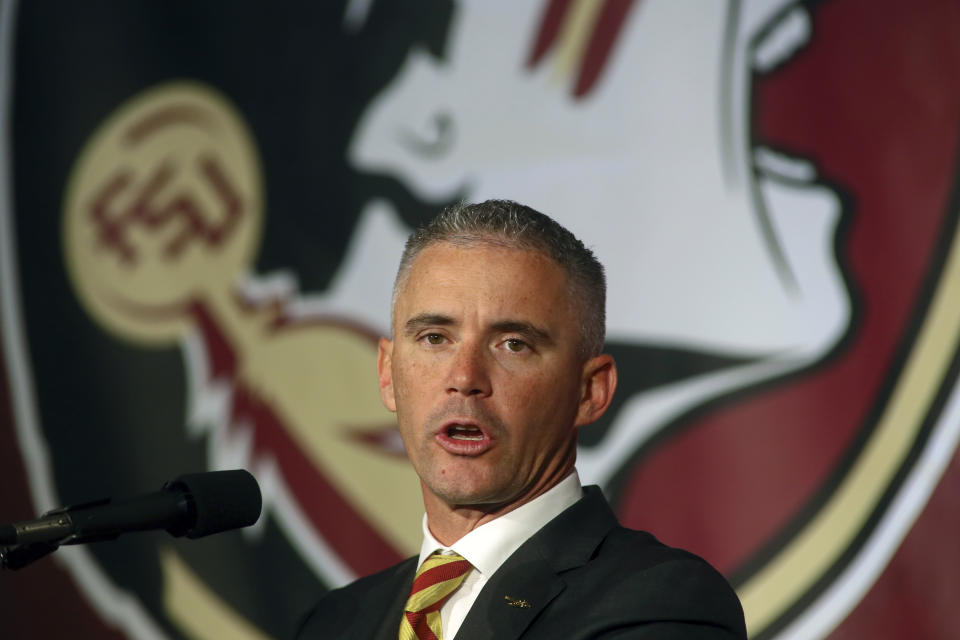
x: 450, y: 522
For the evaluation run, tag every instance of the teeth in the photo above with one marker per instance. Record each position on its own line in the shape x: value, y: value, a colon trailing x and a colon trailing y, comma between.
x: 458, y: 432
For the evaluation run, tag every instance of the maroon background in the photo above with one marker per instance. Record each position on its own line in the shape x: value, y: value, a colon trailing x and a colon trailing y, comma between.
x: 874, y: 100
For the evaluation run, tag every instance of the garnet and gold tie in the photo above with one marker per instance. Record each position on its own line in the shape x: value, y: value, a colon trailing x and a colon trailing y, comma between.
x: 436, y: 580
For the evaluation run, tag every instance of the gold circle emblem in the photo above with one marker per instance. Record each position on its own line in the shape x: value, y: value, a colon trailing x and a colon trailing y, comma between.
x: 164, y: 203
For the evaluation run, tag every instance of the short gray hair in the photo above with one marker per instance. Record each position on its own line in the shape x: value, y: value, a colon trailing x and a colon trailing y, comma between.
x: 510, y: 224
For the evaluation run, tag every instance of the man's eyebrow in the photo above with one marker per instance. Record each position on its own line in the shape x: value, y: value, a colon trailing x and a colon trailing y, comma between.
x: 525, y: 329
x: 423, y: 320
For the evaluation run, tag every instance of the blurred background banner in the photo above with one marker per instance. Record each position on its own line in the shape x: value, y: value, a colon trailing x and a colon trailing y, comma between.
x: 202, y: 206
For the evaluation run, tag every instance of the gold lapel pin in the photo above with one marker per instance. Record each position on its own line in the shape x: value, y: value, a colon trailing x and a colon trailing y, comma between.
x: 514, y: 602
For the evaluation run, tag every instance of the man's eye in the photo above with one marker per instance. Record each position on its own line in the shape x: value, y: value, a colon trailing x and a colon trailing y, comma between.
x: 433, y: 338
x: 515, y: 345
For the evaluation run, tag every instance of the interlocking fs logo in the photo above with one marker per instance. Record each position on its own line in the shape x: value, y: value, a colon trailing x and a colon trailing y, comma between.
x: 636, y: 125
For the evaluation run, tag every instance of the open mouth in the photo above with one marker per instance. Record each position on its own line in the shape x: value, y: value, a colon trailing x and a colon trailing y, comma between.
x: 464, y: 432
x: 464, y: 438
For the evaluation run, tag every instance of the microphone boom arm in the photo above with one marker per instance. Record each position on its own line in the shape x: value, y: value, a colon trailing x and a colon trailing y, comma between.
x: 194, y: 505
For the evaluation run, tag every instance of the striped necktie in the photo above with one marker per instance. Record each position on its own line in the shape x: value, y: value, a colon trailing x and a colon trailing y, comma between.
x: 436, y: 580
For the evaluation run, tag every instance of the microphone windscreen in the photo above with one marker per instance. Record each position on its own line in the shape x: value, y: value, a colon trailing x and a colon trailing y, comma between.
x: 219, y: 500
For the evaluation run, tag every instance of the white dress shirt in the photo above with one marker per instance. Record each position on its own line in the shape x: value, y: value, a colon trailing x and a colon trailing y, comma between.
x: 489, y: 545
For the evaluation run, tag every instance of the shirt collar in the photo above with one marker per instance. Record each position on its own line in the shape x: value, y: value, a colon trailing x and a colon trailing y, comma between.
x: 489, y: 545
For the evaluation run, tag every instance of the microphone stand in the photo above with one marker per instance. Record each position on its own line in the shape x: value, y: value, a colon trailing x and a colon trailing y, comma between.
x: 21, y: 555
x: 194, y: 505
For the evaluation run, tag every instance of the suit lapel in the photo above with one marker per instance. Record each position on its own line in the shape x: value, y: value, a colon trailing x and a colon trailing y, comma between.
x: 513, y: 597
x: 532, y: 577
x: 389, y: 624
x: 384, y: 624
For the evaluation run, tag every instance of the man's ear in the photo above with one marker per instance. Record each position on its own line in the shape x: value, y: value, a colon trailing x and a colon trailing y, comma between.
x: 385, y: 373
x: 597, y: 384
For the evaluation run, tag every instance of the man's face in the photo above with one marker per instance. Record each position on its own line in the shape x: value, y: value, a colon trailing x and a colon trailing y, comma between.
x: 485, y: 375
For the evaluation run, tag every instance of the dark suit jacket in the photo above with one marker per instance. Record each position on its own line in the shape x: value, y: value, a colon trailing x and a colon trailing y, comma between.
x: 583, y: 575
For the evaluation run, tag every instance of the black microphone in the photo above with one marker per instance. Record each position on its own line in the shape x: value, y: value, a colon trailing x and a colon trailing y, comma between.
x: 195, y: 505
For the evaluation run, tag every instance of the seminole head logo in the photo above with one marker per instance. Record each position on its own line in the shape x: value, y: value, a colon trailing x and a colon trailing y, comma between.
x: 781, y: 390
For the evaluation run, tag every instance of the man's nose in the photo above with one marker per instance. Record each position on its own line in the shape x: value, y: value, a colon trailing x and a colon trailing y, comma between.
x: 469, y: 371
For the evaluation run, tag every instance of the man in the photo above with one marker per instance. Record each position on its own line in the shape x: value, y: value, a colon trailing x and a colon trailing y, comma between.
x: 495, y: 362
